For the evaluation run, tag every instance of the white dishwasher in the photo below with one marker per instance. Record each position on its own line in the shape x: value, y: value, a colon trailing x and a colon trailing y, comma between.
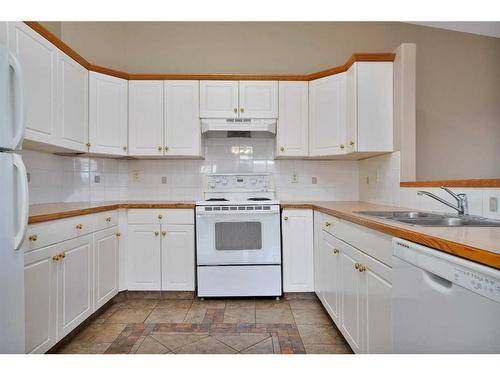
x: 442, y: 303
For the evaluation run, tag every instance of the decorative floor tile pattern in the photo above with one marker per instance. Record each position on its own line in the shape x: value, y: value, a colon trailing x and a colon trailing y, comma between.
x: 296, y: 324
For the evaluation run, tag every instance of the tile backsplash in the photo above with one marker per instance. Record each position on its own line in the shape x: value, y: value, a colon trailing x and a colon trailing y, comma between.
x: 74, y: 178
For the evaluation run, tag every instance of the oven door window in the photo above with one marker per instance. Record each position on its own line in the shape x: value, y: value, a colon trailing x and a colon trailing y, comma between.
x: 238, y: 235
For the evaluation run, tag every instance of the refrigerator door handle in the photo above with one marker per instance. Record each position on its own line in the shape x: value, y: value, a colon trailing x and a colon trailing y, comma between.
x: 23, y: 197
x: 18, y: 101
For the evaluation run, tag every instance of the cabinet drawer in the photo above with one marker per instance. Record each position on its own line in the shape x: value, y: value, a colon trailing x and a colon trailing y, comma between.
x: 160, y: 216
x: 105, y: 220
x: 51, y: 232
x: 371, y: 242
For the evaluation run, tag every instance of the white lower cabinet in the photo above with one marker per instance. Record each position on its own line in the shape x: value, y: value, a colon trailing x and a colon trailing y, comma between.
x: 105, y: 266
x: 354, y: 287
x: 298, y: 265
x: 177, y: 257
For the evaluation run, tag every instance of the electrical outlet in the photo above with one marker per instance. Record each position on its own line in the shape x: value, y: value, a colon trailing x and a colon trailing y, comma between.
x: 368, y: 180
x: 295, y: 178
x: 164, y: 179
x: 493, y: 203
x: 314, y: 180
x: 135, y: 176
x: 97, y: 179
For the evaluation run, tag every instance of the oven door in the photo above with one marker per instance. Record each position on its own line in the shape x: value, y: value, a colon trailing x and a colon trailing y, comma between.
x: 238, y: 237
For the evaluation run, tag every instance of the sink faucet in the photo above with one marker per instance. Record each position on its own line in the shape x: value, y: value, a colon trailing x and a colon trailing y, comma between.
x: 461, y: 207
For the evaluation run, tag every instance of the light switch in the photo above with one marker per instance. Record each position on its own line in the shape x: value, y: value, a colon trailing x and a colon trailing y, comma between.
x: 97, y: 179
x: 295, y: 178
x: 493, y: 204
x: 314, y: 180
x: 164, y: 179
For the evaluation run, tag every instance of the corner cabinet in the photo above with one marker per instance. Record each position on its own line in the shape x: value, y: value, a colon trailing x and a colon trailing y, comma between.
x: 327, y: 115
x: 298, y: 265
x: 292, y: 138
x: 107, y: 115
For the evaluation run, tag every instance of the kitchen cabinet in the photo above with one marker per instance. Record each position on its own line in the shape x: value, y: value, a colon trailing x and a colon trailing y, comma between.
x: 145, y: 108
x: 298, y: 265
x: 4, y: 33
x: 38, y: 59
x: 370, y: 107
x: 219, y: 99
x: 72, y: 100
x: 292, y: 138
x: 182, y: 128
x: 245, y: 99
x: 329, y: 278
x: 107, y: 114
x: 144, y: 257
x: 106, y: 245
x: 177, y: 257
x: 327, y: 115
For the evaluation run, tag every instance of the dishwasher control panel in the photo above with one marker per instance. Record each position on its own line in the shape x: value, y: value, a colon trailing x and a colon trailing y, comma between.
x: 477, y: 282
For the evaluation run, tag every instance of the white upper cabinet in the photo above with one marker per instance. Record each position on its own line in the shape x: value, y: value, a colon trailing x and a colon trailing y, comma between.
x: 293, y: 119
x: 73, y: 110
x: 145, y: 128
x: 259, y: 99
x: 38, y: 59
x: 219, y: 99
x: 4, y: 33
x: 370, y: 107
x: 327, y: 115
x: 182, y: 118
x: 107, y: 114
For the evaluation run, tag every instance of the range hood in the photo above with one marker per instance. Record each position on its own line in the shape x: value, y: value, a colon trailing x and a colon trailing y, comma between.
x: 238, y: 125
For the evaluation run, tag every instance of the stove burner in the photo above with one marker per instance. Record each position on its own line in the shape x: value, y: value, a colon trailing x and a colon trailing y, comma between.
x: 217, y: 200
x: 259, y: 199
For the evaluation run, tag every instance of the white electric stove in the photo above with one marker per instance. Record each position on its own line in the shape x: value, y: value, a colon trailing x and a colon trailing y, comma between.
x: 238, y: 236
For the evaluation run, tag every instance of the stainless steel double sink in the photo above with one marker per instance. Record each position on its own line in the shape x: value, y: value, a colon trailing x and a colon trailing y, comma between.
x: 433, y: 219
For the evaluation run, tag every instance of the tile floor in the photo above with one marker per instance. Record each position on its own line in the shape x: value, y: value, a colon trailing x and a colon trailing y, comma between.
x: 294, y: 325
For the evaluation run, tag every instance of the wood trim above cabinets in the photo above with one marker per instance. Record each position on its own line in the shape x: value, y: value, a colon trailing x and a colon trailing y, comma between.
x: 472, y: 183
x: 36, y: 26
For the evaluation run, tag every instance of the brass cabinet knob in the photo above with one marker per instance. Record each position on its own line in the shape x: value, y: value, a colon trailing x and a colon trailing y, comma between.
x: 166, y: 148
x: 336, y: 251
x: 285, y: 218
x: 356, y: 265
x: 32, y: 237
x: 79, y: 226
x: 351, y: 143
x: 160, y: 148
x: 235, y: 110
x: 242, y: 110
x: 118, y: 234
x: 160, y: 216
x: 282, y: 148
x: 88, y: 145
x: 157, y: 233
x: 124, y: 148
x: 56, y: 257
x: 361, y: 268
x: 342, y: 147
x: 108, y: 219
x: 328, y: 224
x: 62, y: 255
x: 164, y: 233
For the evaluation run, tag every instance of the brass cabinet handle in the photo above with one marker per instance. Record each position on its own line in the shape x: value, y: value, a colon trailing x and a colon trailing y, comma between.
x: 351, y: 143
x: 282, y: 148
x: 235, y: 110
x: 285, y: 218
x: 32, y: 237
x: 342, y: 147
x: 56, y: 257
x: 118, y: 234
x: 356, y: 265
x: 336, y: 251
x: 164, y: 233
x: 242, y: 110
x: 79, y: 226
x: 157, y: 233
x: 166, y: 148
x: 328, y: 224
x: 62, y: 255
x: 108, y: 219
x: 160, y: 148
x: 160, y: 216
x: 88, y: 145
x: 124, y: 148
x: 361, y: 268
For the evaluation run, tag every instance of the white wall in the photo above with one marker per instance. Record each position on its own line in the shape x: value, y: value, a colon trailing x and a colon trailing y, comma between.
x: 385, y: 189
x: 71, y: 179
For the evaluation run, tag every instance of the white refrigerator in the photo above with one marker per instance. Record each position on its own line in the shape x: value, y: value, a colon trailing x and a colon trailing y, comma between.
x: 13, y: 205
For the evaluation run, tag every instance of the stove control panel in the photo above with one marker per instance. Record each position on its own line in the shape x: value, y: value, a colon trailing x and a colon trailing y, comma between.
x: 239, y: 182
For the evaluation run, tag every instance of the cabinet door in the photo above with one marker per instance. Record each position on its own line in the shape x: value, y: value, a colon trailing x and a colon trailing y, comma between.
x: 144, y: 257
x: 327, y: 106
x: 330, y: 270
x: 145, y: 108
x: 219, y: 99
x: 182, y: 118
x: 73, y: 125
x: 297, y: 230
x: 105, y: 266
x: 259, y: 99
x: 75, y: 281
x: 38, y: 59
x: 107, y: 114
x: 177, y: 257
x: 351, y: 298
x: 293, y: 120
x: 40, y: 289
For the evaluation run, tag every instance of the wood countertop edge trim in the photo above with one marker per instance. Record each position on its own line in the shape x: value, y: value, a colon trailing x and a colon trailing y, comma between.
x: 54, y: 39
x: 470, y: 183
